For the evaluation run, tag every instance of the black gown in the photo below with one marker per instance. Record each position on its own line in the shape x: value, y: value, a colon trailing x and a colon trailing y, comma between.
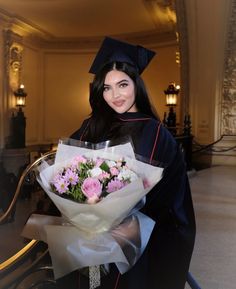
x: 166, y: 259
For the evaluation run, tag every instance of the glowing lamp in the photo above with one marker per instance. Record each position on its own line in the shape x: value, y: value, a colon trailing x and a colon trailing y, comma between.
x: 20, y: 95
x: 171, y: 94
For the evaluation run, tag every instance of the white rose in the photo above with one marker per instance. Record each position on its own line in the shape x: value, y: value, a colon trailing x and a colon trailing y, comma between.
x: 126, y: 174
x: 95, y: 172
x: 110, y: 163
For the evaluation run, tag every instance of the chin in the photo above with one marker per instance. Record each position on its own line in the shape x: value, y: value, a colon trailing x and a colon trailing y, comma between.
x: 120, y: 110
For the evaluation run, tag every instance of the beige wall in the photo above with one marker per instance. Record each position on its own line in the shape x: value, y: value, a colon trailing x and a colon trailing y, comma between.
x: 208, y: 24
x: 32, y: 79
x: 207, y: 27
x: 162, y: 70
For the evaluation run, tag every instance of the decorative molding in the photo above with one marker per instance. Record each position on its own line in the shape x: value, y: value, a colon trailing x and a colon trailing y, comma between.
x: 184, y: 55
x: 162, y: 13
x: 21, y: 26
x: 12, y: 65
x: 228, y: 104
x: 33, y: 34
x: 148, y: 38
x: 12, y: 61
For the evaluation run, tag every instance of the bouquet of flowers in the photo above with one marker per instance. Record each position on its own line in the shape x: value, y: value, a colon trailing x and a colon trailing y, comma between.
x: 99, y: 194
x: 90, y: 180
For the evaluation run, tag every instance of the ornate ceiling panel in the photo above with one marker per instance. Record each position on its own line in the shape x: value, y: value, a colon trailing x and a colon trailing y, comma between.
x: 70, y: 20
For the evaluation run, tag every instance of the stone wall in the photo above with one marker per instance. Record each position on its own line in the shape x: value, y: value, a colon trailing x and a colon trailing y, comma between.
x: 228, y: 105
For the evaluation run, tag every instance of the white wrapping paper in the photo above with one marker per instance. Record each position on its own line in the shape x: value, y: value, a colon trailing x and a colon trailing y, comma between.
x: 110, y: 231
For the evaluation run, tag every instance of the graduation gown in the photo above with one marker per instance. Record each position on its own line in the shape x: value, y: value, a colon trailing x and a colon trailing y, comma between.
x: 165, y: 261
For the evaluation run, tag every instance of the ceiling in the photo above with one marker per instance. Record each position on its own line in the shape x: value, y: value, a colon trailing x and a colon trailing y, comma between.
x: 82, y: 19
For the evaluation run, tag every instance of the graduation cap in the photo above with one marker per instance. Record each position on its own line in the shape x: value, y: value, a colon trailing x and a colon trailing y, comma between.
x: 115, y: 50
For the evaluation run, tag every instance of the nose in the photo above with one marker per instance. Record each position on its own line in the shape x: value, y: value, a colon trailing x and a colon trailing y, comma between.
x: 116, y: 93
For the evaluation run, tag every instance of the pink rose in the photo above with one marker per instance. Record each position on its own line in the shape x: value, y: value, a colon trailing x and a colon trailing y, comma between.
x: 91, y: 188
x: 92, y: 200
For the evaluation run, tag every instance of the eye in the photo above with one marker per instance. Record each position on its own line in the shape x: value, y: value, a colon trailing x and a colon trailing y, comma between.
x: 106, y: 88
x: 123, y: 84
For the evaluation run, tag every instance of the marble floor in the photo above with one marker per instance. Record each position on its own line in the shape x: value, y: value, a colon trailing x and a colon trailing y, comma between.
x: 213, y: 263
x: 214, y: 258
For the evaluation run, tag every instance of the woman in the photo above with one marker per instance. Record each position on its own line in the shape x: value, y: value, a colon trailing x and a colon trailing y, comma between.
x: 120, y: 109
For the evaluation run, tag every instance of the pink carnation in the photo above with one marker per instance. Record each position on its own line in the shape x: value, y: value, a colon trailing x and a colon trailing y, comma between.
x: 103, y: 176
x: 80, y: 159
x: 115, y: 185
x: 99, y: 162
x: 114, y: 171
x: 91, y: 187
x: 77, y: 161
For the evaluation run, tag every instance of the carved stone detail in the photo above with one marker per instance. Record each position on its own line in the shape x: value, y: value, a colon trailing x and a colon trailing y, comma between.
x: 11, y: 77
x: 228, y: 105
x: 184, y: 56
x: 13, y: 59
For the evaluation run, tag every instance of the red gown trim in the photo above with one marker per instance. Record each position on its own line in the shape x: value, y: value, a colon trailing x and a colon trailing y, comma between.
x: 135, y: 119
x: 155, y: 143
x: 117, y: 281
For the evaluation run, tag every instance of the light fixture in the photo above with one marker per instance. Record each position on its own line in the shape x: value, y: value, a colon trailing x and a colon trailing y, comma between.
x: 18, y: 120
x: 171, y: 94
x: 20, y: 95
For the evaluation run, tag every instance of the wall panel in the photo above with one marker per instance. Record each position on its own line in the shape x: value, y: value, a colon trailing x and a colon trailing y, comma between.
x: 66, y: 89
x: 32, y: 79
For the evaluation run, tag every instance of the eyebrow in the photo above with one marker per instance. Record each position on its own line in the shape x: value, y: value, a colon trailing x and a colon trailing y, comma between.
x: 122, y: 80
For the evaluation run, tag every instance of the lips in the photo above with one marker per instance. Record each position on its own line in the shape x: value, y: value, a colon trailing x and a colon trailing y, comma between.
x: 119, y: 103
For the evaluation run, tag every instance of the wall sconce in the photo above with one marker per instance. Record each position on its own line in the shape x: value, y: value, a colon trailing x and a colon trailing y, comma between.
x: 18, y: 121
x: 20, y: 95
x: 171, y: 94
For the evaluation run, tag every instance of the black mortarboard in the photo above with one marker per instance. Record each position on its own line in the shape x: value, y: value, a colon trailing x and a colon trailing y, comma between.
x: 116, y: 50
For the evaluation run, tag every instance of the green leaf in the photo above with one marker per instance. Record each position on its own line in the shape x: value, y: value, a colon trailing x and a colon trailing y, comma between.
x: 104, y: 166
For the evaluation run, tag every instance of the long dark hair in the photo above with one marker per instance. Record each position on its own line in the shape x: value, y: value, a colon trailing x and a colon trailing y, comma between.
x: 102, y: 114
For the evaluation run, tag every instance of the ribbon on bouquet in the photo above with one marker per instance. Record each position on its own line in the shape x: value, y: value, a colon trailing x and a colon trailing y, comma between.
x: 71, y: 250
x: 94, y: 277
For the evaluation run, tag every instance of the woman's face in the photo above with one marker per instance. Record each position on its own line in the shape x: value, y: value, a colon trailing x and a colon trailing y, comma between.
x: 119, y: 92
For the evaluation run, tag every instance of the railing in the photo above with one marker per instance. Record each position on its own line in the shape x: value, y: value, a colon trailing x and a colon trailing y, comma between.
x: 33, y: 257
x: 29, y: 168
